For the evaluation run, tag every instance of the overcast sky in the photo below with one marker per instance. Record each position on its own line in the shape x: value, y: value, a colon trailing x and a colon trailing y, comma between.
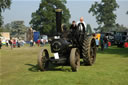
x: 22, y: 10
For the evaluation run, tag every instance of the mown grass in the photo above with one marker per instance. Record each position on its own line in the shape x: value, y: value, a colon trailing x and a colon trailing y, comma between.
x: 19, y: 67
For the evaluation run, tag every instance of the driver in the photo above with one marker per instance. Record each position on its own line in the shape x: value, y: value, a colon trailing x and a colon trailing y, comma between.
x: 81, y: 25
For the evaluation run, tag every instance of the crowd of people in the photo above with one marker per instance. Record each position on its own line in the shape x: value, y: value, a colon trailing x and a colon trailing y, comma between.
x: 103, y: 42
x: 39, y: 42
x: 13, y: 43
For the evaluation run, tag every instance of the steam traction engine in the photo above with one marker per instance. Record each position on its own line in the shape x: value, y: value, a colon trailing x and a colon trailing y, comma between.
x: 68, y: 49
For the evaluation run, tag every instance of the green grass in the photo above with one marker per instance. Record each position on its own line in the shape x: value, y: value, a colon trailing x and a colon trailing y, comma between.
x: 19, y: 67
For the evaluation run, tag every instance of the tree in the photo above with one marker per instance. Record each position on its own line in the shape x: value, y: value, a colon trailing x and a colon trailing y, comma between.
x: 5, y: 28
x: 43, y: 19
x: 120, y: 28
x: 89, y: 29
x: 3, y: 5
x: 1, y: 29
x: 104, y: 12
x: 16, y: 28
x: 1, y: 22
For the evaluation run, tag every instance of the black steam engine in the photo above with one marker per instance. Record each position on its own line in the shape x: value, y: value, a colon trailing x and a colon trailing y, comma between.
x: 68, y: 49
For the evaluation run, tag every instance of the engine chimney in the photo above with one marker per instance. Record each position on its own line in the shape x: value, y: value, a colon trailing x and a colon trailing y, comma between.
x: 58, y: 20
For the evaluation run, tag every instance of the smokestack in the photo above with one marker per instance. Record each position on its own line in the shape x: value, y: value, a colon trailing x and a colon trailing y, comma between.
x: 58, y: 20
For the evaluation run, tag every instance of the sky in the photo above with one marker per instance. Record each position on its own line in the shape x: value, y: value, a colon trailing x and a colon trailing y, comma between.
x: 22, y: 10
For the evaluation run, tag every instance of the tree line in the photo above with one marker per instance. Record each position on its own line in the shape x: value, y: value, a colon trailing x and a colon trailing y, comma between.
x: 43, y: 19
x: 16, y: 29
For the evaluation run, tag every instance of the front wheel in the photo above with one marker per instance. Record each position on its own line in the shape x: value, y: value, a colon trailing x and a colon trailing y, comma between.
x: 75, y: 59
x: 43, y: 60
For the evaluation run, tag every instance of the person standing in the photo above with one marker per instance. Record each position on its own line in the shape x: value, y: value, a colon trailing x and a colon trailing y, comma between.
x: 97, y: 43
x: 81, y: 30
x: 14, y: 43
x: 105, y: 42
x: 38, y: 42
x: 6, y: 43
x: 42, y: 42
x: 31, y: 43
x: 18, y: 44
x: 102, y: 44
x: 11, y: 43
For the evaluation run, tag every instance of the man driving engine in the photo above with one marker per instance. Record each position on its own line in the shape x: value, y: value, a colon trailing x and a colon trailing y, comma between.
x: 81, y: 25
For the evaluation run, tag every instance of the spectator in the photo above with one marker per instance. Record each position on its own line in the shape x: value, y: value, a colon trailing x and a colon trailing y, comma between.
x: 14, y: 43
x: 38, y: 42
x: 97, y: 43
x: 102, y: 44
x: 18, y: 43
x: 105, y: 42
x: 22, y: 42
x: 6, y: 43
x: 31, y: 43
x: 42, y: 42
x: 11, y: 43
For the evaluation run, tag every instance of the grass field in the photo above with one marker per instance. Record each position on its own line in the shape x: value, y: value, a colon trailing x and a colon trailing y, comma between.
x: 19, y: 67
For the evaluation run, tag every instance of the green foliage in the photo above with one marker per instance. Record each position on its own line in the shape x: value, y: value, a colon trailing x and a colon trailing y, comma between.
x: 16, y: 28
x: 43, y: 19
x: 1, y: 22
x: 89, y: 29
x: 120, y: 28
x: 3, y: 5
x: 1, y: 29
x: 104, y: 13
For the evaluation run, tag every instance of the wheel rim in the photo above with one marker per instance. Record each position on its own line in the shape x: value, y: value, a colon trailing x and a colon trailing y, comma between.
x: 74, y: 59
x: 43, y: 61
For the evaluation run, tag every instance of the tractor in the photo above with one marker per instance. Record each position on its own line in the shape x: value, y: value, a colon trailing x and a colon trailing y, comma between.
x: 68, y: 48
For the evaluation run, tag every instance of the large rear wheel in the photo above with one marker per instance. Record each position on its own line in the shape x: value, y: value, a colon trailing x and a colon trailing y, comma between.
x: 75, y: 59
x: 89, y: 50
x: 43, y: 60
